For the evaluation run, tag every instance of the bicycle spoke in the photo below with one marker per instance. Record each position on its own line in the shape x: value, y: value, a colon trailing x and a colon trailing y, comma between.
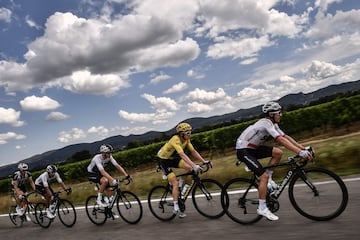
x: 161, y: 203
x: 129, y: 207
x: 67, y: 213
x: 95, y: 213
x: 322, y: 197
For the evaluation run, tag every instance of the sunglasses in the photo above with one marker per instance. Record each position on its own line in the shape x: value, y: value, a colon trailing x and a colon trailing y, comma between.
x: 187, y: 133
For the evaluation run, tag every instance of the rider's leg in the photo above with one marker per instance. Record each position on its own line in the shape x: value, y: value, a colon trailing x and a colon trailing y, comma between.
x: 175, y: 189
x: 275, y: 158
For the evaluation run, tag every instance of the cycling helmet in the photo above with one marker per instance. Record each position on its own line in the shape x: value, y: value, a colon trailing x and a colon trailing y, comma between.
x: 23, y: 166
x: 271, y: 107
x: 106, y: 148
x: 183, y: 127
x: 51, y: 168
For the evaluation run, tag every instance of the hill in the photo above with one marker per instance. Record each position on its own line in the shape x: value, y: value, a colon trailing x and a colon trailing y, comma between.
x: 60, y: 155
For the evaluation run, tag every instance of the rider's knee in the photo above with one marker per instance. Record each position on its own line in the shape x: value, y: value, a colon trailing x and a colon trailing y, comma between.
x: 277, y: 153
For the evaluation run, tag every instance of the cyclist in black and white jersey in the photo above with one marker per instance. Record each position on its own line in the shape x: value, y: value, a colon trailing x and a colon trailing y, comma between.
x: 97, y: 173
x: 42, y: 185
x: 250, y: 148
x: 18, y: 181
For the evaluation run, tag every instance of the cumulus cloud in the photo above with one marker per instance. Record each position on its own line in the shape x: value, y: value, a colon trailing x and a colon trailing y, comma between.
x: 5, y: 14
x: 57, y: 116
x: 11, y: 117
x: 203, y: 96
x: 100, y: 130
x: 176, y: 88
x: 159, y: 78
x: 5, y: 137
x: 161, y: 102
x: 160, y: 116
x: 34, y: 103
x: 196, y: 107
x: 321, y: 70
x: 98, y: 84
x: 74, y: 134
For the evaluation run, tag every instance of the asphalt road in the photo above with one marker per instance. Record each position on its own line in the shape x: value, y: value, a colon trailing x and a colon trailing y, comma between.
x: 291, y: 225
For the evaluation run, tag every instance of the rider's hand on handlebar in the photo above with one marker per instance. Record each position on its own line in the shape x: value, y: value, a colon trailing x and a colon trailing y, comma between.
x: 114, y: 182
x: 305, y: 154
x: 208, y: 162
x: 197, y: 168
x: 68, y: 191
x: 128, y: 177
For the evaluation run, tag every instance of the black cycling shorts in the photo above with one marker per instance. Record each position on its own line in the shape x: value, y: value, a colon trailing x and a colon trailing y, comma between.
x: 167, y: 164
x: 251, y: 156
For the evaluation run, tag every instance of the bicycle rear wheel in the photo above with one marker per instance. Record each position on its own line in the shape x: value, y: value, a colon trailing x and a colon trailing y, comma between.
x: 95, y: 213
x: 318, y: 194
x: 40, y: 214
x: 129, y: 207
x: 240, y: 200
x: 66, y: 212
x: 206, y: 197
x: 161, y: 203
x: 14, y: 217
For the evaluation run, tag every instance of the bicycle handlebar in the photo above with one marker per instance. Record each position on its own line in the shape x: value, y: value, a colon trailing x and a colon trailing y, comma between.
x: 126, y: 180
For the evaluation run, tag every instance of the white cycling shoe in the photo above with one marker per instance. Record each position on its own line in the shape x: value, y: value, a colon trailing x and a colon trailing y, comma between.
x: 266, y: 213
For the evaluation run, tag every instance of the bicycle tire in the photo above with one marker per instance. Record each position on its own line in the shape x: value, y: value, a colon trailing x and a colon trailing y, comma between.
x: 30, y: 211
x: 206, y: 197
x: 239, y: 205
x: 328, y: 204
x: 40, y: 214
x: 129, y: 207
x: 95, y: 213
x: 66, y: 212
x: 161, y: 203
x: 14, y: 217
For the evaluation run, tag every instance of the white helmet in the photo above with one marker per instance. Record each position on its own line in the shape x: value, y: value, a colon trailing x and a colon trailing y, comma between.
x: 271, y: 107
x: 51, y: 168
x: 106, y: 148
x: 23, y: 166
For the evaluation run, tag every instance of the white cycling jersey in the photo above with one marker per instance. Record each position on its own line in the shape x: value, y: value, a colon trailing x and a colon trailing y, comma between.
x: 98, y: 163
x: 44, y: 179
x: 257, y: 133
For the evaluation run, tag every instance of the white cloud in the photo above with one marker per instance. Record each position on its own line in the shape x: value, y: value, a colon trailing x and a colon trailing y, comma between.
x: 57, y: 116
x: 321, y: 70
x: 74, y: 134
x: 159, y: 78
x: 176, y: 88
x: 5, y: 137
x: 100, y: 130
x: 203, y: 96
x: 98, y: 84
x: 10, y: 116
x: 31, y: 23
x: 5, y: 14
x: 197, y: 108
x: 195, y: 74
x: 160, y: 116
x: 34, y: 103
x: 161, y: 102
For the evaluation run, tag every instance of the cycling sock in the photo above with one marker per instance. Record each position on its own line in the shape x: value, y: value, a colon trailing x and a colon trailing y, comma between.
x: 262, y: 204
x: 176, y: 206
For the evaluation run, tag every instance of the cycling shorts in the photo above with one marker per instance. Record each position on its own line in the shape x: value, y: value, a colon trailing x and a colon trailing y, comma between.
x: 251, y: 156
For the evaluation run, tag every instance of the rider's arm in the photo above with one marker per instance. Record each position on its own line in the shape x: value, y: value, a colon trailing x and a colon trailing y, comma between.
x: 17, y: 189
x: 186, y: 159
x: 118, y: 166
x: 289, y: 145
x: 293, y: 141
x: 197, y: 155
x: 31, y: 181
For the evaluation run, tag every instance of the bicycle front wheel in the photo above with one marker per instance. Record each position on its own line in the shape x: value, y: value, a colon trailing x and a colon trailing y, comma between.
x: 129, y: 207
x: 14, y: 217
x: 318, y: 194
x: 30, y: 211
x: 206, y: 197
x: 95, y: 213
x: 66, y: 212
x: 240, y: 200
x: 40, y: 215
x: 161, y: 203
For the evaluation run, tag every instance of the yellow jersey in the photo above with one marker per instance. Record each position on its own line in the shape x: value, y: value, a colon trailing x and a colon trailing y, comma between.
x: 174, y: 145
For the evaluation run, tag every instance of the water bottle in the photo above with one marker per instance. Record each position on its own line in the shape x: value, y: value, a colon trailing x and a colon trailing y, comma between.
x: 185, y: 188
x: 52, y: 207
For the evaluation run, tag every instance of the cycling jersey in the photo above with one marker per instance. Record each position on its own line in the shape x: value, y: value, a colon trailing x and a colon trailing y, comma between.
x: 174, y: 146
x: 44, y: 179
x: 256, y: 134
x: 20, y: 179
x: 98, y: 163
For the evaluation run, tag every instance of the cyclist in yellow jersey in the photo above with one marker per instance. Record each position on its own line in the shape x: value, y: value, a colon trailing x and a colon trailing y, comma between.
x: 172, y: 155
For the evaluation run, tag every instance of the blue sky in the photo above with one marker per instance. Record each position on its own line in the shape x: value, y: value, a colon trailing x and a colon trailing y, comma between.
x: 81, y: 71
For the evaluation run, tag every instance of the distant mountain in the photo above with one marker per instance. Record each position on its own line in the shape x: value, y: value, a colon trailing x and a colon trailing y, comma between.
x: 60, y: 155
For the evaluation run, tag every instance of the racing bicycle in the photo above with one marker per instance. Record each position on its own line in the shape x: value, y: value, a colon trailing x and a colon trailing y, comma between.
x: 127, y: 203
x: 205, y: 195
x: 29, y: 212
x: 63, y: 207
x: 316, y: 193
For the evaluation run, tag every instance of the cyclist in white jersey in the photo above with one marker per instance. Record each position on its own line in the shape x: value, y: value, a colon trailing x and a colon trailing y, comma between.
x: 42, y: 185
x: 97, y: 173
x: 250, y: 148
